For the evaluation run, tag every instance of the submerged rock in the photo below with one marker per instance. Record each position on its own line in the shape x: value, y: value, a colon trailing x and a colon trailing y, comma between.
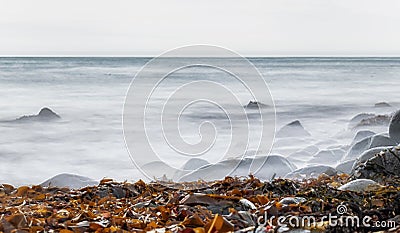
x: 255, y: 105
x: 382, y: 105
x: 158, y: 170
x: 380, y: 166
x: 69, y: 181
x: 300, y: 157
x: 328, y: 156
x: 266, y: 168
x: 361, y: 185
x: 394, y: 127
x: 361, y: 135
x: 358, y: 118
x: 194, y: 163
x: 377, y: 120
x: 293, y: 129
x: 345, y: 167
x: 45, y: 114
x: 190, y: 166
x: 378, y: 140
x: 312, y: 172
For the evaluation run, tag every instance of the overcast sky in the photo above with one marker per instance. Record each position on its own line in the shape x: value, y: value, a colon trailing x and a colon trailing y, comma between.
x: 149, y: 27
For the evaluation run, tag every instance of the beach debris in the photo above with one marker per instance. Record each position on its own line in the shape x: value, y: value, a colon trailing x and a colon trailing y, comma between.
x: 233, y: 204
x: 394, y: 127
x: 361, y: 185
x: 293, y: 129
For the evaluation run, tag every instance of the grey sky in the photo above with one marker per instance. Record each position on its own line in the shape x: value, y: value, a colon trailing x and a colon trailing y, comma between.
x: 148, y: 27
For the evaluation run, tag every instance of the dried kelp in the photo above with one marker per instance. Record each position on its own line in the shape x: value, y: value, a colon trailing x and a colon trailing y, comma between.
x: 232, y: 204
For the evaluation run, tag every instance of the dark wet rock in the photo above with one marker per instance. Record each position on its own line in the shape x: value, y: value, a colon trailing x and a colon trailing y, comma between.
x: 45, y: 114
x: 358, y: 118
x: 345, y: 167
x: 293, y: 129
x: 379, y: 167
x: 367, y: 155
x: 361, y: 135
x: 255, y: 105
x: 361, y: 186
x: 382, y: 105
x: 378, y: 120
x: 328, y: 156
x: 394, y: 127
x: 312, y: 172
x: 69, y: 181
x: 378, y: 140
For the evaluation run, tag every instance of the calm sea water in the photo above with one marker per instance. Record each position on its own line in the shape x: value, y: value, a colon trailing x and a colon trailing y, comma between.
x: 88, y: 93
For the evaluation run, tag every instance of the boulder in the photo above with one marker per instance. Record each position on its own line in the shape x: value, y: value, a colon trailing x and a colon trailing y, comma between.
x: 367, y: 143
x: 311, y: 172
x: 367, y: 155
x: 345, y: 167
x: 377, y: 120
x: 381, y: 166
x: 361, y: 186
x: 394, y: 127
x: 71, y: 181
x: 358, y: 118
x: 293, y: 129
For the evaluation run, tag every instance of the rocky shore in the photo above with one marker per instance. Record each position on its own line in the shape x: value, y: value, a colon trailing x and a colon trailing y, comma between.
x: 230, y: 205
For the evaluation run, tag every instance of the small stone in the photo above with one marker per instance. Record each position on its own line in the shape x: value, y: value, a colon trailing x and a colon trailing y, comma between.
x: 361, y: 185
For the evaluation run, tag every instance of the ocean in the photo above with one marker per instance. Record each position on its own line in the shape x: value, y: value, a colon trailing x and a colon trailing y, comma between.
x: 89, y: 94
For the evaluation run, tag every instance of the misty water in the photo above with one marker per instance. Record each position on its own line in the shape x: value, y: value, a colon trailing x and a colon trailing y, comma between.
x: 89, y: 93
